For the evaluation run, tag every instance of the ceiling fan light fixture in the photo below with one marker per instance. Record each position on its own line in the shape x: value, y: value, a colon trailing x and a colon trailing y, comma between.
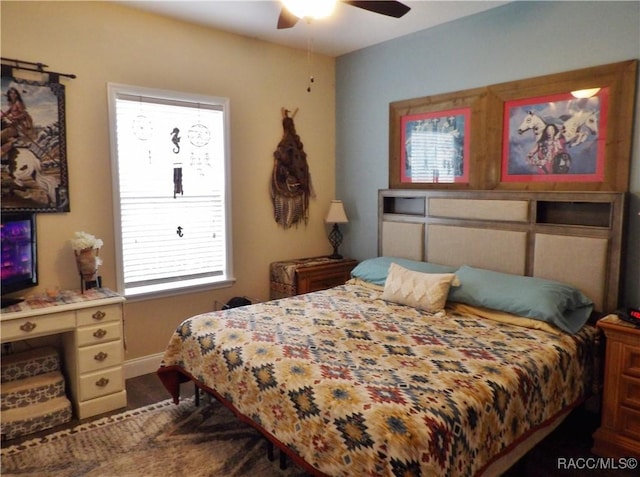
x: 310, y: 8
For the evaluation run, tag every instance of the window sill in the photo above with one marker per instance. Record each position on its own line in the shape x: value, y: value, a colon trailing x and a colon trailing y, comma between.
x: 139, y: 295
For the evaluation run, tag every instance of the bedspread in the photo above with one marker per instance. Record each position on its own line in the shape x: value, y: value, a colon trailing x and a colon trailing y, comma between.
x: 355, y: 385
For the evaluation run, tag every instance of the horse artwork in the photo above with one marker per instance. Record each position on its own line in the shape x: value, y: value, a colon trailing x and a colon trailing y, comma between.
x: 34, y: 164
x: 579, y: 126
x: 532, y: 122
x: 290, y: 181
x: 555, y: 138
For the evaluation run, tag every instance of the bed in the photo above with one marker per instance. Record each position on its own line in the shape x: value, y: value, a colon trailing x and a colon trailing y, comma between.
x: 438, y: 357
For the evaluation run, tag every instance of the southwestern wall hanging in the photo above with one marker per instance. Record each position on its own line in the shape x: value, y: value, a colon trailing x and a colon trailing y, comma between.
x: 34, y: 162
x: 290, y: 181
x: 566, y: 131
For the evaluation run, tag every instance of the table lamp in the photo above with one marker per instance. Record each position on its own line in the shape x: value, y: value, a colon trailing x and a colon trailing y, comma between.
x: 336, y: 215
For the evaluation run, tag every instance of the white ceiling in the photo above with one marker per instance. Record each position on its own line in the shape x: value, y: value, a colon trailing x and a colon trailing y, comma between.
x: 348, y: 29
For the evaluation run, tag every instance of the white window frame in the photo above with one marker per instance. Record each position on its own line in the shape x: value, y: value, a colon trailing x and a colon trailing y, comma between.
x: 226, y: 279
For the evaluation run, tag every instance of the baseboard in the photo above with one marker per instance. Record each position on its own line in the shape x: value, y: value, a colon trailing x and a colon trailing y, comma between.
x: 144, y: 365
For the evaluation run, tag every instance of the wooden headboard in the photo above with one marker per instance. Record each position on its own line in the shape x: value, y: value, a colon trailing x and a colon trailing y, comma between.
x: 571, y: 237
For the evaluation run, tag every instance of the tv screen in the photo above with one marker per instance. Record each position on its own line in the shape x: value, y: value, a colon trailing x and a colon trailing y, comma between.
x: 19, y: 254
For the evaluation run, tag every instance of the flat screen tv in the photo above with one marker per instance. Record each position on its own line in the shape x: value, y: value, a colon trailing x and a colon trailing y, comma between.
x: 19, y: 255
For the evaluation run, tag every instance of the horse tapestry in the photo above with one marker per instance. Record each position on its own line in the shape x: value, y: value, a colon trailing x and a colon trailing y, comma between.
x: 555, y: 138
x: 34, y: 162
x: 290, y: 180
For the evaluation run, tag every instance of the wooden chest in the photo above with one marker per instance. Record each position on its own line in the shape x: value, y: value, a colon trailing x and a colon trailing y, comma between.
x: 295, y: 277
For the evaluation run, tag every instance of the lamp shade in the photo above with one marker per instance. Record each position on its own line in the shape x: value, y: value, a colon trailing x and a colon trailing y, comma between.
x: 336, y: 213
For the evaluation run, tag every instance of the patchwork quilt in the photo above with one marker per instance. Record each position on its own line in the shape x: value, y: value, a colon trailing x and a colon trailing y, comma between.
x: 355, y: 385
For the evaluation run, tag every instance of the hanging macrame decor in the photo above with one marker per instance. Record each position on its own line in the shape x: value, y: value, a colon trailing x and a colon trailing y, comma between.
x: 291, y: 181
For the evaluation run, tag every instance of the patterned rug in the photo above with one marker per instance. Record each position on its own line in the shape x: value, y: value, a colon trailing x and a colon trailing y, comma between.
x: 157, y: 440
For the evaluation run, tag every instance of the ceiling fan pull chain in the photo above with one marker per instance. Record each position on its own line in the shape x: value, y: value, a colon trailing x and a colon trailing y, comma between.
x: 309, y: 63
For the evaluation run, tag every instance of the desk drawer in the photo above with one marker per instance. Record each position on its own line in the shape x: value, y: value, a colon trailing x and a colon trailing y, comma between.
x: 25, y: 328
x: 92, y: 316
x: 90, y: 335
x: 105, y: 355
x: 101, y: 383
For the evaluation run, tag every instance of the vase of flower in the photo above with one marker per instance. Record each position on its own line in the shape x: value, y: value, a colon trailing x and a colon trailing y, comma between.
x: 86, y: 249
x: 88, y: 261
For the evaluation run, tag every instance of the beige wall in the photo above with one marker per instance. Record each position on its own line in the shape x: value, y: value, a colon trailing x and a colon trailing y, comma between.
x: 106, y: 42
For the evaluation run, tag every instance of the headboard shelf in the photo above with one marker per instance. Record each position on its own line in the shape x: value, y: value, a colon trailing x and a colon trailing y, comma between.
x: 405, y: 206
x: 589, y: 214
x: 573, y: 237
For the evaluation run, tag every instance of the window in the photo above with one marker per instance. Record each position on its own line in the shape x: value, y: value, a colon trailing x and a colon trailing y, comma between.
x: 170, y: 170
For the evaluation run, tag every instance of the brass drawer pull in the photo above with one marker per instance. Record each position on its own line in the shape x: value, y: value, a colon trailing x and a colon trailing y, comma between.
x: 102, y: 382
x: 100, y: 333
x: 28, y: 327
x: 98, y: 315
x: 101, y: 356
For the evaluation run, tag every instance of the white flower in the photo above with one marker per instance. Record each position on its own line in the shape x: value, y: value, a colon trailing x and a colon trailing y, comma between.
x: 83, y: 240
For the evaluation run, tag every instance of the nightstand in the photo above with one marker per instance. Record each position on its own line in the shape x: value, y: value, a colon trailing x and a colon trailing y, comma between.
x: 295, y: 277
x: 619, y: 433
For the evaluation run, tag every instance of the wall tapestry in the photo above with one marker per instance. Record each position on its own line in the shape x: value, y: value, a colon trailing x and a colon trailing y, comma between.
x: 34, y: 162
x: 290, y: 181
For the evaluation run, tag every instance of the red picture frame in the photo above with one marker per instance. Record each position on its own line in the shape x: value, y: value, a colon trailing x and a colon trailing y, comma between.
x: 555, y: 138
x: 435, y: 147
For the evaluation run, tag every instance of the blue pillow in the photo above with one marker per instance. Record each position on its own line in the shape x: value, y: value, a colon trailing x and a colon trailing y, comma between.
x: 375, y: 270
x: 556, y: 303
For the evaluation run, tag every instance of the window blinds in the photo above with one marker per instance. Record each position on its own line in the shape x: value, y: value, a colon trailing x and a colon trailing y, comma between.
x: 171, y: 180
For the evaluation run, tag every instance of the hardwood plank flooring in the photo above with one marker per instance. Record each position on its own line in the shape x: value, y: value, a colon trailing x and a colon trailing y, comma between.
x: 553, y: 457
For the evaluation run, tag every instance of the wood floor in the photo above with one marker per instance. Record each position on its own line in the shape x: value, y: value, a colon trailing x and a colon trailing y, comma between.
x: 571, y: 441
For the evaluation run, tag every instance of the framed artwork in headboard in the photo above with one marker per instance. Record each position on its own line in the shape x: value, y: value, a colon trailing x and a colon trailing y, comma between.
x: 556, y: 138
x: 583, y: 129
x: 564, y: 131
x: 435, y: 147
x: 436, y: 141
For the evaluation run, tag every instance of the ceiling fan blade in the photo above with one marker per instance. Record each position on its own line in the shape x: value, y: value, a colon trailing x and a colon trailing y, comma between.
x: 286, y: 19
x: 389, y: 8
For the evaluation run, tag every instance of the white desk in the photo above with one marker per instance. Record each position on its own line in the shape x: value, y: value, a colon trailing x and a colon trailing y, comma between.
x: 91, y: 326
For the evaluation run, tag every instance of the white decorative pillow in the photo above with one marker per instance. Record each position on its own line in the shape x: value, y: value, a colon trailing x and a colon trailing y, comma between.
x: 426, y: 291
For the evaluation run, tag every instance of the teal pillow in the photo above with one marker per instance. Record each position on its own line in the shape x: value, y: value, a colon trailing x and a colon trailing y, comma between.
x: 375, y: 270
x: 556, y: 303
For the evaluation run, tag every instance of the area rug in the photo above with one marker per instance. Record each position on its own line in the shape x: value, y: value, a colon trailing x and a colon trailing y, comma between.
x: 157, y: 440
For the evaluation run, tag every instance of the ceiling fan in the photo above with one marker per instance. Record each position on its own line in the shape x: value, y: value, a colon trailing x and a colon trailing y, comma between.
x: 288, y: 19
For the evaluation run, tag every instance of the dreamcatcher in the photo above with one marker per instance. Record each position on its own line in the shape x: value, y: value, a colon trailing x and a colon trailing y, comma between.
x: 142, y: 130
x: 199, y: 136
x: 291, y: 181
